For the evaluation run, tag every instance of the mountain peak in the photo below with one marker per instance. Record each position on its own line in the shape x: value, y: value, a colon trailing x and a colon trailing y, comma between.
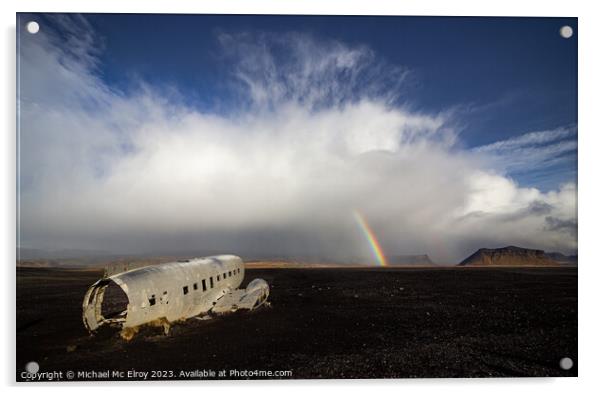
x: 508, y: 256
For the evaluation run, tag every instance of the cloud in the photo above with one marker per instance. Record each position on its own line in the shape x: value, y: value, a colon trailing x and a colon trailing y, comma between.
x: 316, y: 134
x: 534, y: 155
x: 297, y: 68
x: 569, y: 225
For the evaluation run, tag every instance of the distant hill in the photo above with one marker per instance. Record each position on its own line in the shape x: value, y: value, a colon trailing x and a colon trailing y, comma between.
x: 36, y: 253
x: 418, y: 260
x: 508, y: 256
x: 561, y: 258
x: 38, y: 264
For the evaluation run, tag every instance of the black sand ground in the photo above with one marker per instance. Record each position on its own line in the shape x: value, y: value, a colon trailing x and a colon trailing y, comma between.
x: 328, y: 323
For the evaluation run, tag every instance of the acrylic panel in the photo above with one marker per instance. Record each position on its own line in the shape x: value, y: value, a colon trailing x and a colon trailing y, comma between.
x: 295, y: 197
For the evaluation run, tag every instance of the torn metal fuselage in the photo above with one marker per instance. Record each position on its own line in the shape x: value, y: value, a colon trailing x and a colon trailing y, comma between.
x: 171, y: 292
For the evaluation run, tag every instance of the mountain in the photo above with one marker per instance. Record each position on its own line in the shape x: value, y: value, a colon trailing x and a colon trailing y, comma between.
x: 508, y: 256
x: 24, y: 253
x: 409, y: 260
x: 561, y: 258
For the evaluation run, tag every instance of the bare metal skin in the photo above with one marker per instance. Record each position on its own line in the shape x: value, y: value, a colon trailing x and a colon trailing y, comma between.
x: 174, y: 291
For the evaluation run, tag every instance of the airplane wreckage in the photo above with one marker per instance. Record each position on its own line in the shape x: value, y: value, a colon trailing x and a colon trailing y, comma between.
x: 166, y: 293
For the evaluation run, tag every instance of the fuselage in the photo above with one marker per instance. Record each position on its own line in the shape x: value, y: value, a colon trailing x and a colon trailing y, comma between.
x: 171, y: 291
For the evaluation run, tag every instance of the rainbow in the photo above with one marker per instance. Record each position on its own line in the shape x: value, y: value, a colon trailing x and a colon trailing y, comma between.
x: 371, y: 237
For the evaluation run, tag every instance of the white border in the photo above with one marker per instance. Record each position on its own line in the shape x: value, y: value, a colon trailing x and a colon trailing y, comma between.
x: 590, y: 67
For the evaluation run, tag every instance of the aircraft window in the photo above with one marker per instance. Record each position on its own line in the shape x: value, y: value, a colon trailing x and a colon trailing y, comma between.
x: 218, y: 277
x: 195, y: 286
x: 239, y: 270
x: 211, y: 281
x: 152, y: 300
x: 229, y: 274
x: 185, y: 289
x: 224, y: 275
x: 204, y: 285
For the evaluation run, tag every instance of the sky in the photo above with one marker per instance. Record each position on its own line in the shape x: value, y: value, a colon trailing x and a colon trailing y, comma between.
x: 266, y: 135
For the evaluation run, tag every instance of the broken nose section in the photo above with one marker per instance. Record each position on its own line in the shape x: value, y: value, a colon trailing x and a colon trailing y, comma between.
x: 104, y: 303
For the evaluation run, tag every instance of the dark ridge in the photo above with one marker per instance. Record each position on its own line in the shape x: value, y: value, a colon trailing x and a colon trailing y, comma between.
x: 562, y: 259
x: 508, y: 256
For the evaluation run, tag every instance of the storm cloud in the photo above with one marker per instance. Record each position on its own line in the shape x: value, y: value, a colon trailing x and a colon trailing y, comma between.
x: 317, y: 133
